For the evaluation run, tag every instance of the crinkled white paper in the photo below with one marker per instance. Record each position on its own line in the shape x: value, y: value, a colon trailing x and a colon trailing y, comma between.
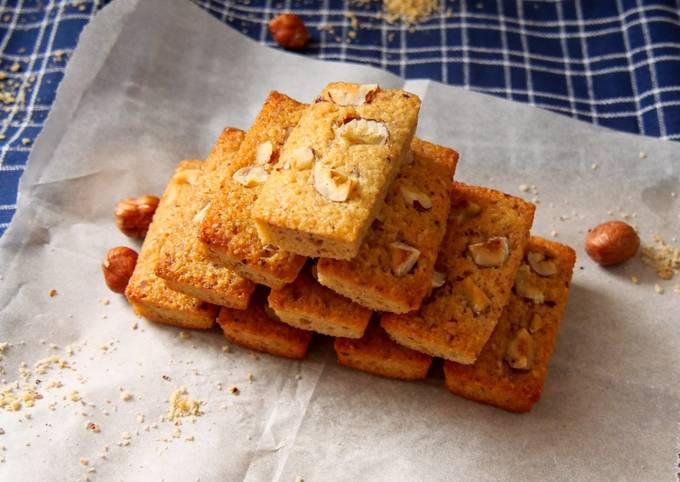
x: 154, y: 82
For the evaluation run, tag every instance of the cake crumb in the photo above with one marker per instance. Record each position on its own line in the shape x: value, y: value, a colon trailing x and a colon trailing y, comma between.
x: 234, y: 390
x: 226, y: 349
x: 16, y: 67
x: 183, y: 335
x: 594, y: 166
x: 643, y: 155
x: 553, y: 233
x: 52, y: 293
x: 635, y: 280
x: 84, y: 461
x: 662, y: 256
x: 104, y: 301
x: 251, y: 377
x: 182, y: 405
x: 659, y: 290
x: 125, y: 396
x: 523, y: 187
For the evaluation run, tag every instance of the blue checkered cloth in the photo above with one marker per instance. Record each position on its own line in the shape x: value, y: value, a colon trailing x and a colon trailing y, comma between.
x: 614, y: 63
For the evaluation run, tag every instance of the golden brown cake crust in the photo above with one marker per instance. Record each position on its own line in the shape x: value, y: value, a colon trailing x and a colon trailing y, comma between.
x: 307, y: 305
x: 490, y: 379
x: 376, y: 353
x: 457, y: 319
x: 227, y: 228
x: 294, y: 213
x: 184, y: 262
x: 369, y: 278
x: 147, y: 293
x: 254, y: 329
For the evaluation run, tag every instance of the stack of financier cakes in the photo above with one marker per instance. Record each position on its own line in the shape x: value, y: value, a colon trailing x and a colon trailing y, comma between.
x: 354, y: 229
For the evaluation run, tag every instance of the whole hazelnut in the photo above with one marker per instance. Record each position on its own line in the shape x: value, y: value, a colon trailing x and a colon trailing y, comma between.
x: 118, y: 266
x: 612, y: 243
x: 289, y: 31
x: 133, y: 215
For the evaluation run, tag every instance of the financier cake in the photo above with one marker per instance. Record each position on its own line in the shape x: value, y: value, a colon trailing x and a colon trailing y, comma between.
x: 510, y: 372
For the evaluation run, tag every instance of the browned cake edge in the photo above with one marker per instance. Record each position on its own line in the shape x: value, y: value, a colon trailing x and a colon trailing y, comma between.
x: 239, y: 302
x: 198, y: 321
x: 262, y: 277
x: 253, y: 329
x: 307, y: 244
x: 377, y: 354
x: 312, y: 308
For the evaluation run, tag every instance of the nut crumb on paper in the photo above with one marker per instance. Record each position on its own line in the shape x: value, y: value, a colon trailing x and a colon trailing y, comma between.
x: 662, y: 256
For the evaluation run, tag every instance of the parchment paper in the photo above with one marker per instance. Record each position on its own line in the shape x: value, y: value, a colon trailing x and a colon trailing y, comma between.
x: 154, y: 82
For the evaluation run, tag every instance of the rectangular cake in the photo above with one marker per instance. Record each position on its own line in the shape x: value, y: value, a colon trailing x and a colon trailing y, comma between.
x: 376, y: 353
x: 511, y: 370
x: 184, y: 263
x: 148, y: 294
x: 394, y: 267
x: 228, y: 230
x: 307, y: 305
x: 336, y: 169
x: 482, y: 249
x: 259, y: 329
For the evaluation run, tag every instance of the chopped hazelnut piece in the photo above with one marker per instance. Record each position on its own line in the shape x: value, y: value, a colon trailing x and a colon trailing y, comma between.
x: 404, y: 257
x: 188, y: 176
x: 302, y: 158
x: 525, y: 288
x: 353, y: 96
x: 263, y: 153
x: 250, y: 176
x: 331, y: 183
x: 363, y: 131
x: 464, y: 211
x: 415, y: 198
x: 198, y: 217
x: 520, y: 353
x: 490, y: 253
x: 475, y: 296
x: 540, y: 265
x: 438, y: 279
x: 536, y: 323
